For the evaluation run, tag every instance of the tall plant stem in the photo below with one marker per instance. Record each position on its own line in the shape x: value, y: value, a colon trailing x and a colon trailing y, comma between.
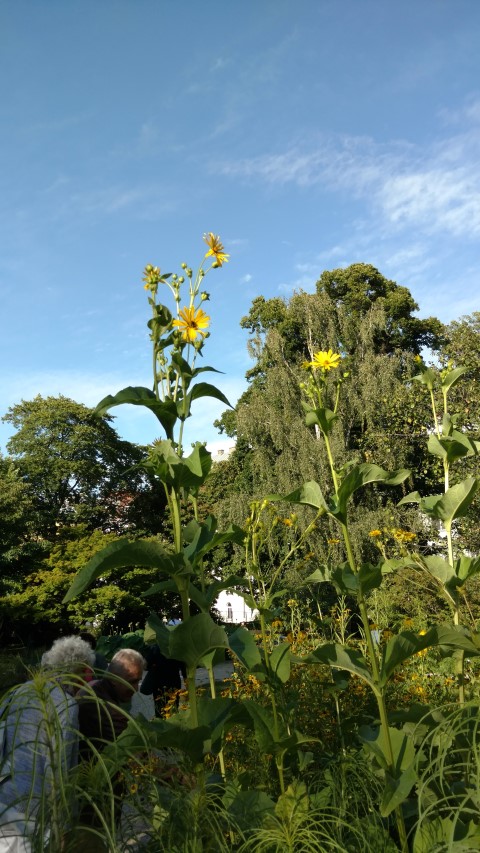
x: 276, y: 730
x: 362, y: 606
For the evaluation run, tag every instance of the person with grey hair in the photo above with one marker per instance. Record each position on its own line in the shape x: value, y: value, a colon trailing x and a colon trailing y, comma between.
x: 104, y: 704
x: 39, y: 742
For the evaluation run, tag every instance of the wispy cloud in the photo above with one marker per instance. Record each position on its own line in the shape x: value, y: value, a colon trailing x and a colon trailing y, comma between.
x: 436, y: 189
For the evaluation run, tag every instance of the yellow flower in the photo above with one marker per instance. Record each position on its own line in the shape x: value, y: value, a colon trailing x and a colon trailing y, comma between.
x: 375, y: 533
x: 333, y: 541
x: 323, y: 360
x: 192, y: 322
x: 403, y: 535
x: 215, y: 248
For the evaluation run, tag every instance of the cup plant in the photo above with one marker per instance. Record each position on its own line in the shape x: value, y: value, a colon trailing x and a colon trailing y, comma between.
x: 177, y: 341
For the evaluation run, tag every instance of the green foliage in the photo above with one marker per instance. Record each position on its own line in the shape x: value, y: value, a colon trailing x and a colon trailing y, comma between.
x: 76, y: 467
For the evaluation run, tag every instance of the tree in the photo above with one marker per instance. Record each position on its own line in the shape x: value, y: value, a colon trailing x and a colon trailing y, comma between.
x: 77, y: 469
x: 18, y: 549
x: 369, y: 321
x: 116, y: 601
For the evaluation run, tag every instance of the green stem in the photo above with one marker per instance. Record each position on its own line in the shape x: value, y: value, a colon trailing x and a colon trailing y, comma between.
x: 276, y: 729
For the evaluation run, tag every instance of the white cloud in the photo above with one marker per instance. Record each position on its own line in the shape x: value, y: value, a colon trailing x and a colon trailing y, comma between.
x: 245, y: 279
x: 435, y: 189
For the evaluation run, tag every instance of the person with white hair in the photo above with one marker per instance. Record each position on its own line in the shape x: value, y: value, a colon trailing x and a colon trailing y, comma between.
x: 39, y: 743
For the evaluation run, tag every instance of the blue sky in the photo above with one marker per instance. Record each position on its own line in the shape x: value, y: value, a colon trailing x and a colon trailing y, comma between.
x: 310, y: 135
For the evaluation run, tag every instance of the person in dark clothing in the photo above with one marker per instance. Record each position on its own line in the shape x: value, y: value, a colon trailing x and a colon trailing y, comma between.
x: 101, y: 717
x: 162, y: 677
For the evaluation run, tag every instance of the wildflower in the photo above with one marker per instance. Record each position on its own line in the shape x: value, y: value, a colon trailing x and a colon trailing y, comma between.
x: 151, y: 278
x: 133, y: 789
x: 333, y: 541
x: 375, y: 533
x: 215, y: 249
x: 291, y: 602
x: 192, y: 322
x: 323, y: 360
x: 403, y: 535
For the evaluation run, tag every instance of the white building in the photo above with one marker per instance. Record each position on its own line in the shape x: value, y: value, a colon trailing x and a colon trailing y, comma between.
x: 232, y: 608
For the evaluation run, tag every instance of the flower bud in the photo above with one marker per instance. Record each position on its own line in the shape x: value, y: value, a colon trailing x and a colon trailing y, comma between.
x: 181, y: 279
x: 184, y: 266
x: 204, y: 296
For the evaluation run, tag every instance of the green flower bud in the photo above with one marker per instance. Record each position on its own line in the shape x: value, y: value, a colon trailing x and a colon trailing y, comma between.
x: 181, y: 279
x: 204, y: 296
x: 184, y: 266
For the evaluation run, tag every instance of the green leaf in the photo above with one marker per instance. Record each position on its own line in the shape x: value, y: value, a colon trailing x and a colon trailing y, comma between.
x: 280, y: 660
x: 193, y: 639
x: 242, y: 644
x: 265, y: 728
x: 341, y: 657
x: 359, y: 476
x: 451, y: 378
x: 203, y: 537
x: 426, y: 377
x: 407, y: 643
x: 179, y: 472
x: 165, y: 412
x: 202, y: 389
x: 324, y: 418
x: 146, y: 553
x: 310, y: 493
x: 451, y: 447
x: 248, y: 808
x: 454, y: 503
x: 397, y: 790
x: 403, y: 750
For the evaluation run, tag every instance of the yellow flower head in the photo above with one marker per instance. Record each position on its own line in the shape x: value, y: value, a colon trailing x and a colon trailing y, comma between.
x: 323, y: 361
x: 375, y: 533
x: 215, y: 248
x: 192, y: 322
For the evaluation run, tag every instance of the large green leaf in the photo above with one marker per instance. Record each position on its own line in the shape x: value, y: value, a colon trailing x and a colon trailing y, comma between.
x: 202, y: 537
x: 201, y: 389
x: 310, y: 493
x: 165, y: 412
x: 359, y: 476
x: 324, y: 418
x: 397, y: 789
x: 453, y: 504
x: 193, y: 639
x: 123, y: 552
x: 452, y: 447
x: 280, y: 660
x: 407, y: 643
x: 341, y: 657
x: 449, y: 379
x: 179, y: 472
x: 243, y: 645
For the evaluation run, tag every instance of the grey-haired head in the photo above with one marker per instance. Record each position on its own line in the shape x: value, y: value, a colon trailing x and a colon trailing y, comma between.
x: 69, y: 653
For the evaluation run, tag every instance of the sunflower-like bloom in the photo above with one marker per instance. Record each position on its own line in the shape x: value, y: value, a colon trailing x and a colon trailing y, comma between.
x: 192, y: 323
x: 323, y: 360
x: 215, y: 249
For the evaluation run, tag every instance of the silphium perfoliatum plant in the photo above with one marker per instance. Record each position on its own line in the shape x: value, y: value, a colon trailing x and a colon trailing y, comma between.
x: 178, y: 334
